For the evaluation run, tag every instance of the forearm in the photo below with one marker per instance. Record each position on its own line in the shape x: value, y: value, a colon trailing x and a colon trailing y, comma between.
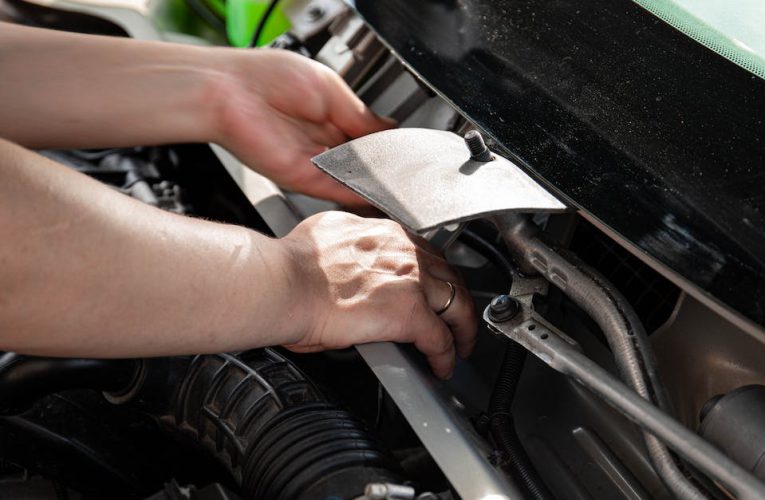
x: 62, y: 90
x: 85, y: 271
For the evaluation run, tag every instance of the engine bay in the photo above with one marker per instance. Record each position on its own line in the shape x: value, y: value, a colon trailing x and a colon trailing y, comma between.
x: 541, y: 409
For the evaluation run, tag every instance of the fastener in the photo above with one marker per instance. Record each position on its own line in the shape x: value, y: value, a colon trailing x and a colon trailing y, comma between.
x: 477, y: 146
x: 503, y: 308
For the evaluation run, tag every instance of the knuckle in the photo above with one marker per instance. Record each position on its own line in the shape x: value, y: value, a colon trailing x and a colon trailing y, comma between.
x: 444, y: 346
x: 408, y: 268
x: 367, y: 243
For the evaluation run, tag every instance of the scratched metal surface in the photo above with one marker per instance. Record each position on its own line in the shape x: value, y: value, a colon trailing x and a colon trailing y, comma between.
x: 425, y: 179
x: 654, y: 135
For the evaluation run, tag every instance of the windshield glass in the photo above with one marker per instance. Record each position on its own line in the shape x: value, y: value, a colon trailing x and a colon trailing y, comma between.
x: 734, y: 29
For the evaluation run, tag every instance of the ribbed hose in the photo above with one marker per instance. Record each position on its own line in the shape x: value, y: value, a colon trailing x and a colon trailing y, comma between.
x: 618, y: 321
x: 274, y: 430
x: 502, y: 427
x: 638, y: 367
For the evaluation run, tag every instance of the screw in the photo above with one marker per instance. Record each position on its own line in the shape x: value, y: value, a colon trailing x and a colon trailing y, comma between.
x: 315, y: 13
x: 503, y: 308
x: 477, y: 147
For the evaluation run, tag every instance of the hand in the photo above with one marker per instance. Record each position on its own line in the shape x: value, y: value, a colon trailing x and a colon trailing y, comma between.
x: 367, y: 281
x: 281, y: 109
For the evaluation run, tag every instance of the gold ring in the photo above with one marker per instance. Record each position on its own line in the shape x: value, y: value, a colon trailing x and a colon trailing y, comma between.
x: 452, y: 293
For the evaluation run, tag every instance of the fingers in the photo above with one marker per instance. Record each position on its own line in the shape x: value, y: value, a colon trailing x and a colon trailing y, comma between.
x: 437, y: 267
x: 349, y: 114
x: 324, y: 134
x: 433, y: 338
x: 460, y: 316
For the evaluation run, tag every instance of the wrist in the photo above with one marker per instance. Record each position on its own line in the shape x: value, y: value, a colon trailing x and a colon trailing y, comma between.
x: 227, y: 92
x: 211, y: 85
x: 299, y: 293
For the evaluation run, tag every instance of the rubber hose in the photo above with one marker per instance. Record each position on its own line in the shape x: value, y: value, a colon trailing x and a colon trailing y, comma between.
x: 274, y: 431
x: 25, y: 379
x: 502, y: 427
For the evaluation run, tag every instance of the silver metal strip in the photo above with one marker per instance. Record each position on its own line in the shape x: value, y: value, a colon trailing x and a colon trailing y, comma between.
x: 442, y: 429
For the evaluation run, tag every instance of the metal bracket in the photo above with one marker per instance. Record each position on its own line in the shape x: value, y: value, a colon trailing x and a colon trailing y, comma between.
x: 562, y: 354
x: 426, y: 179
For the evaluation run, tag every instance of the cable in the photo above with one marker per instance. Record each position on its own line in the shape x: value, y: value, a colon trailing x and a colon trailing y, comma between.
x: 515, y: 460
x: 488, y: 251
x: 262, y: 23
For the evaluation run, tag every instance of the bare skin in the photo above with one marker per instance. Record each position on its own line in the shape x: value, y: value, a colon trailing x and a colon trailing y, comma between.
x: 86, y: 271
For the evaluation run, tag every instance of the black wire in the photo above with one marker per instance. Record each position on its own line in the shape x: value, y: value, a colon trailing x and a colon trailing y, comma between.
x: 262, y: 23
x: 514, y: 458
x: 488, y: 251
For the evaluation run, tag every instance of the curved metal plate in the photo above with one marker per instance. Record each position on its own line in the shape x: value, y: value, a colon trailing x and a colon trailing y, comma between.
x: 425, y: 179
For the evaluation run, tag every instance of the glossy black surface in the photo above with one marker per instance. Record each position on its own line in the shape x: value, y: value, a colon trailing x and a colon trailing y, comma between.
x: 650, y: 132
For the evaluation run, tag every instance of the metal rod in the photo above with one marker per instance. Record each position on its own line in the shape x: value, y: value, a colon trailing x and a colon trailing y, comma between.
x: 617, y: 319
x: 565, y: 358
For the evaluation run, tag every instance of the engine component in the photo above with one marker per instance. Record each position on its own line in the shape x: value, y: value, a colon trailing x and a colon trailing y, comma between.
x: 438, y: 421
x: 557, y: 351
x: 25, y: 379
x: 272, y: 429
x: 502, y: 427
x: 352, y: 49
x: 173, y: 491
x: 617, y: 319
x: 735, y: 422
x: 137, y: 172
x: 407, y: 194
x: 387, y: 491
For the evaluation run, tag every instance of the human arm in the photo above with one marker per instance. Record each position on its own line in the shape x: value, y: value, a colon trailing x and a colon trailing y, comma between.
x: 86, y: 271
x: 272, y: 109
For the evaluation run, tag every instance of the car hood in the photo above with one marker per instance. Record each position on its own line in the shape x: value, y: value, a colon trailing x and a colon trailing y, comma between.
x: 650, y: 134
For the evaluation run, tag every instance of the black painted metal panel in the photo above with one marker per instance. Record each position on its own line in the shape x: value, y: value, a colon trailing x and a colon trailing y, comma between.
x: 653, y: 134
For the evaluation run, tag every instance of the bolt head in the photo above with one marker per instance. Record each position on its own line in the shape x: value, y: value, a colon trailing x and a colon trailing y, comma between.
x: 315, y: 13
x: 503, y: 308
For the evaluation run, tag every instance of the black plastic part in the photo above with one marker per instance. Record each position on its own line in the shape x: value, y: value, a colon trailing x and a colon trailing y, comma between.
x: 514, y: 458
x: 25, y: 379
x: 84, y: 443
x: 735, y: 423
x: 173, y: 491
x: 275, y: 431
